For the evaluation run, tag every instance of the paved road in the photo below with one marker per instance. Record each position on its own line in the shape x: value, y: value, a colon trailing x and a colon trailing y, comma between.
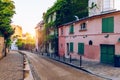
x: 51, y: 70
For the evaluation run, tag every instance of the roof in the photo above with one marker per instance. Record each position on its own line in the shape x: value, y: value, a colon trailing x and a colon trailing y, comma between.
x: 105, y: 13
x: 40, y: 23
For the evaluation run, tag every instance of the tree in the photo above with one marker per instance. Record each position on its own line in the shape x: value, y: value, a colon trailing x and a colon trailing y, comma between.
x: 6, y: 13
x: 67, y: 10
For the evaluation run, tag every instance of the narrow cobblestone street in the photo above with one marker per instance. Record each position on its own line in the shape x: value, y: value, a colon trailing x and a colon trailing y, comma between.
x: 51, y: 70
x: 11, y: 66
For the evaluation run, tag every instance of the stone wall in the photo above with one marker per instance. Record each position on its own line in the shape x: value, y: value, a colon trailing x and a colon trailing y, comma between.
x: 1, y: 47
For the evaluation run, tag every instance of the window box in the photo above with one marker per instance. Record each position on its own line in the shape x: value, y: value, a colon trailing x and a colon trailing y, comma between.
x: 82, y: 30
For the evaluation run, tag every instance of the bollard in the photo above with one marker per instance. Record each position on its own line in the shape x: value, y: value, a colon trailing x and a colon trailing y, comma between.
x: 70, y: 59
x: 59, y: 57
x: 80, y: 60
x: 64, y: 58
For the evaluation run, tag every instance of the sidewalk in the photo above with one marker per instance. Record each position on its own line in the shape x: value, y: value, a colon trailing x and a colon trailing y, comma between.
x: 11, y: 66
x: 107, y: 71
x: 97, y: 68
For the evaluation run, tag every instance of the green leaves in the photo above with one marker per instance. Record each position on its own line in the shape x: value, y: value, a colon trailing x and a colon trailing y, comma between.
x: 66, y: 10
x: 6, y: 13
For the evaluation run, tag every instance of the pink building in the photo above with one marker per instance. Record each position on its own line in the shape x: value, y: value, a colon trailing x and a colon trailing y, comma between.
x: 96, y: 37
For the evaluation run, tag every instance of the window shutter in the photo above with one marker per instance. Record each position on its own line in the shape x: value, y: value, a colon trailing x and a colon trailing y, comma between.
x: 108, y: 25
x: 71, y: 29
x: 81, y: 48
x: 104, y: 25
x: 71, y: 47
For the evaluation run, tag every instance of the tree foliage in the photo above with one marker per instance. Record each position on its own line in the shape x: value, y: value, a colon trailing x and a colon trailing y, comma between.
x: 67, y: 10
x: 6, y: 13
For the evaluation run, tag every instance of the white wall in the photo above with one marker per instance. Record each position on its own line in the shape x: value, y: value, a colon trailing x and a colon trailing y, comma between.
x: 103, y: 6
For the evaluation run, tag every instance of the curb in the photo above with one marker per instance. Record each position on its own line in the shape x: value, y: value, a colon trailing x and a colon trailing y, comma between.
x: 31, y: 73
x: 76, y: 67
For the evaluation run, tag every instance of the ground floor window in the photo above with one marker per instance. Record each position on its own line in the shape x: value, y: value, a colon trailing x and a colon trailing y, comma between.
x: 71, y: 47
x: 81, y: 48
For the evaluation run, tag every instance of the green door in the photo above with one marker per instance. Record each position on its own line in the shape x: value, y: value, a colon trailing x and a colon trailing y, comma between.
x: 107, y: 54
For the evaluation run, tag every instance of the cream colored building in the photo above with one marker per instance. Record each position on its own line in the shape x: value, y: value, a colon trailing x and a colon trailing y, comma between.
x: 17, y: 35
x: 18, y: 31
x: 97, y: 7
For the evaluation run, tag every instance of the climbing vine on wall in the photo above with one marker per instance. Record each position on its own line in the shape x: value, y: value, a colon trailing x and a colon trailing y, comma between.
x: 66, y: 10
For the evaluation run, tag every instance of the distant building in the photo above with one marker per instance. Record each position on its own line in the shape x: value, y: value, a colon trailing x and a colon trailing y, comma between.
x: 17, y: 34
x: 18, y: 31
x: 40, y: 36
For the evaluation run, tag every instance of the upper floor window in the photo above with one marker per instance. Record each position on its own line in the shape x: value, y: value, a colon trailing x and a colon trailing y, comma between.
x: 108, y: 5
x: 49, y: 19
x: 61, y: 31
x: 54, y: 16
x: 71, y: 29
x: 83, y: 26
x: 108, y: 25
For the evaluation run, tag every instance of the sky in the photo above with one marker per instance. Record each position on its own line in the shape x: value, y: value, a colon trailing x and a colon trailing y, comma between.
x: 29, y: 13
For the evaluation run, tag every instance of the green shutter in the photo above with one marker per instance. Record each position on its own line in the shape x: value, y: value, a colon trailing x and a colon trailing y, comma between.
x: 71, y: 47
x: 71, y: 29
x: 108, y: 25
x: 81, y: 48
x: 104, y: 25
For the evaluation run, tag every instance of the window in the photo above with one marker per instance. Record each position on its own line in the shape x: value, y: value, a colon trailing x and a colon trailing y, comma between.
x: 54, y: 16
x: 83, y: 26
x: 71, y: 47
x: 108, y: 25
x: 61, y: 31
x: 81, y: 48
x: 90, y: 42
x: 71, y: 30
x: 49, y: 19
x: 108, y: 5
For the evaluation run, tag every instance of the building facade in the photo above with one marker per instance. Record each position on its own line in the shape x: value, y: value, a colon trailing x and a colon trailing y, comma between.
x: 96, y: 37
x: 18, y: 31
x: 40, y: 36
x: 17, y: 35
x: 51, y: 35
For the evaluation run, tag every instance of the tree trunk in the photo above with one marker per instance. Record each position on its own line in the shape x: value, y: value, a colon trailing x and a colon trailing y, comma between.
x: 5, y: 49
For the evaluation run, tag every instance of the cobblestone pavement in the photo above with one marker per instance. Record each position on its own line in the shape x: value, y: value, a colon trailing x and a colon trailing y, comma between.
x: 48, y: 69
x: 11, y: 66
